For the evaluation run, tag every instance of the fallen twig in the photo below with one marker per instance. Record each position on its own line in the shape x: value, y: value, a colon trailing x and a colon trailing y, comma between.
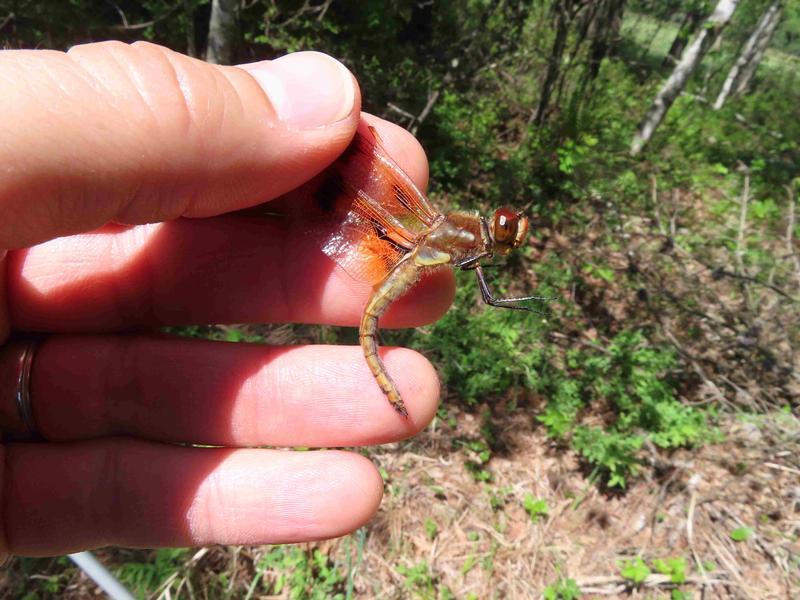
x: 777, y: 467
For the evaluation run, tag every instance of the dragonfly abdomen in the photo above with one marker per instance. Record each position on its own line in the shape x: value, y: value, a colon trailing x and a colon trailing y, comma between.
x: 400, y: 279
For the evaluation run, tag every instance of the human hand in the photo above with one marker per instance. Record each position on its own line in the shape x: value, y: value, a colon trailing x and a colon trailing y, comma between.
x: 117, y: 166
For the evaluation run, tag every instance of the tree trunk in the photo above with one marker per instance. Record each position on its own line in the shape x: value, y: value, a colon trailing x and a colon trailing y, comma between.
x: 603, y: 29
x: 748, y: 54
x: 685, y: 32
x: 761, y: 46
x: 604, y: 34
x: 554, y: 63
x: 191, y: 42
x: 223, y: 32
x: 687, y: 64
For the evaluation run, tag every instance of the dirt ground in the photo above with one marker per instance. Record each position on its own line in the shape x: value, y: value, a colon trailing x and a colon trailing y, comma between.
x: 685, y: 506
x: 442, y: 533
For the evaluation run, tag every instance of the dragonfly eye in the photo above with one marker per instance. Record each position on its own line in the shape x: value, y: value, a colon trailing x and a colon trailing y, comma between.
x: 509, y: 229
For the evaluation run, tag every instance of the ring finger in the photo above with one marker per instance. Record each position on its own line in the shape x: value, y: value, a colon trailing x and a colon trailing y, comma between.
x: 142, y: 494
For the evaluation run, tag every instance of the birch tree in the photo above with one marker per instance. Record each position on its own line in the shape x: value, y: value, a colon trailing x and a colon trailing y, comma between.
x: 761, y: 47
x: 753, y: 50
x: 689, y: 25
x: 223, y: 32
x: 690, y: 59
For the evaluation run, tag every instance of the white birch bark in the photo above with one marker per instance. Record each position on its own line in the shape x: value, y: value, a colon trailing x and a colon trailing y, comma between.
x: 691, y: 57
x: 222, y: 32
x: 749, y: 51
x: 761, y: 46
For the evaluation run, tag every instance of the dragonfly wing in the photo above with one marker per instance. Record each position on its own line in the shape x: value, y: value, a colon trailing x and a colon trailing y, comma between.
x: 374, y: 211
x: 362, y: 249
x: 382, y: 180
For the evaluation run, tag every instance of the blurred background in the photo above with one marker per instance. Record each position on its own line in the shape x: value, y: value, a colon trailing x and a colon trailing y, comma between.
x: 642, y: 437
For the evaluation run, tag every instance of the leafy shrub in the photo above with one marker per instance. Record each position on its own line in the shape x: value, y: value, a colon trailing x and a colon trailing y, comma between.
x: 300, y: 574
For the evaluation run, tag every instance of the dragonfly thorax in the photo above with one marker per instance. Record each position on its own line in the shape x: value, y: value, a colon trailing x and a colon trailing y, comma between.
x: 460, y: 235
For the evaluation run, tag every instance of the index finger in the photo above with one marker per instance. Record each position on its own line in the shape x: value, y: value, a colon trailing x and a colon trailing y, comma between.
x: 138, y: 133
x: 229, y: 269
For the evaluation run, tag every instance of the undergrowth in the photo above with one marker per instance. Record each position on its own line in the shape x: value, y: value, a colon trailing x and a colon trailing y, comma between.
x: 605, y: 401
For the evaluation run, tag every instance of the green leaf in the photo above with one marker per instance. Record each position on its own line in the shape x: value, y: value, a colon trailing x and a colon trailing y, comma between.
x: 674, y: 567
x: 741, y: 534
x: 431, y: 529
x: 563, y: 589
x: 635, y: 571
x: 535, y: 507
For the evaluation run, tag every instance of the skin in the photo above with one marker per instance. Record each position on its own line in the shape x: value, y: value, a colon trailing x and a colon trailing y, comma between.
x: 109, y: 136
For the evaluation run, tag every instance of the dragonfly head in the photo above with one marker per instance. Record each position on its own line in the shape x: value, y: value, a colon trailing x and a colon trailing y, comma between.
x: 509, y: 230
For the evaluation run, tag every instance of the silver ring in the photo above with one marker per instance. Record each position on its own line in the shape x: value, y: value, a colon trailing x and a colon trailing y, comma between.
x: 23, y: 395
x: 17, y: 421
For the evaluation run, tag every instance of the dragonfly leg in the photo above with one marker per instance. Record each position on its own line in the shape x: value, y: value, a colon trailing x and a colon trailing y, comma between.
x: 511, y: 303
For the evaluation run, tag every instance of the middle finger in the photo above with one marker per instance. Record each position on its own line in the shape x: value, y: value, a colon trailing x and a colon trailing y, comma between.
x: 176, y: 389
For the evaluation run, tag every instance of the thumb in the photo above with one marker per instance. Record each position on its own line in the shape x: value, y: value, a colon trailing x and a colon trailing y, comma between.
x: 138, y: 133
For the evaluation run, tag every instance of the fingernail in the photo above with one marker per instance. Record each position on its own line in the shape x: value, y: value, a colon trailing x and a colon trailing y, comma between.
x: 307, y: 89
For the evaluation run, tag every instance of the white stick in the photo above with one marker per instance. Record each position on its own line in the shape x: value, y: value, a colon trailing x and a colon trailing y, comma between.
x: 101, y: 576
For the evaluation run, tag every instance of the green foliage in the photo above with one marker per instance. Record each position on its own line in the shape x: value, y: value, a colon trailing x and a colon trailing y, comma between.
x: 563, y: 589
x: 536, y: 508
x: 483, y: 352
x: 419, y: 580
x: 634, y: 570
x: 633, y: 378
x: 300, y: 574
x: 463, y: 126
x: 486, y: 352
x: 431, y: 528
x: 142, y: 577
x: 614, y: 453
x: 49, y: 585
x: 676, y: 568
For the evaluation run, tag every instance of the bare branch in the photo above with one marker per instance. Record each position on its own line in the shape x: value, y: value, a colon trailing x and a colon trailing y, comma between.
x: 740, y: 243
x: 403, y: 113
x: 137, y: 26
x: 432, y: 98
x: 8, y: 19
x: 790, y: 232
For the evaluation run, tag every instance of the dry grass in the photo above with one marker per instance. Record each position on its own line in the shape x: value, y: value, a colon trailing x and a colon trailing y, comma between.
x: 475, y: 539
x: 687, y: 509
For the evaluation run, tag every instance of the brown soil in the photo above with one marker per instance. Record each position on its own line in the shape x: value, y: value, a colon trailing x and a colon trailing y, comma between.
x: 475, y: 539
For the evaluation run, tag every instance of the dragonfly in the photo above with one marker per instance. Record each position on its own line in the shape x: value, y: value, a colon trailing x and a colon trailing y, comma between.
x: 387, y: 233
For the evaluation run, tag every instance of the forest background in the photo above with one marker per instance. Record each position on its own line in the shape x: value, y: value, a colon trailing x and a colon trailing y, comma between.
x: 643, y: 436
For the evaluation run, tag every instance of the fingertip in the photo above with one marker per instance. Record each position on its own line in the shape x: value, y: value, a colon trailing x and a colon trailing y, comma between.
x: 341, y: 492
x: 366, y: 492
x: 269, y: 496
x: 307, y: 90
x: 419, y: 387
